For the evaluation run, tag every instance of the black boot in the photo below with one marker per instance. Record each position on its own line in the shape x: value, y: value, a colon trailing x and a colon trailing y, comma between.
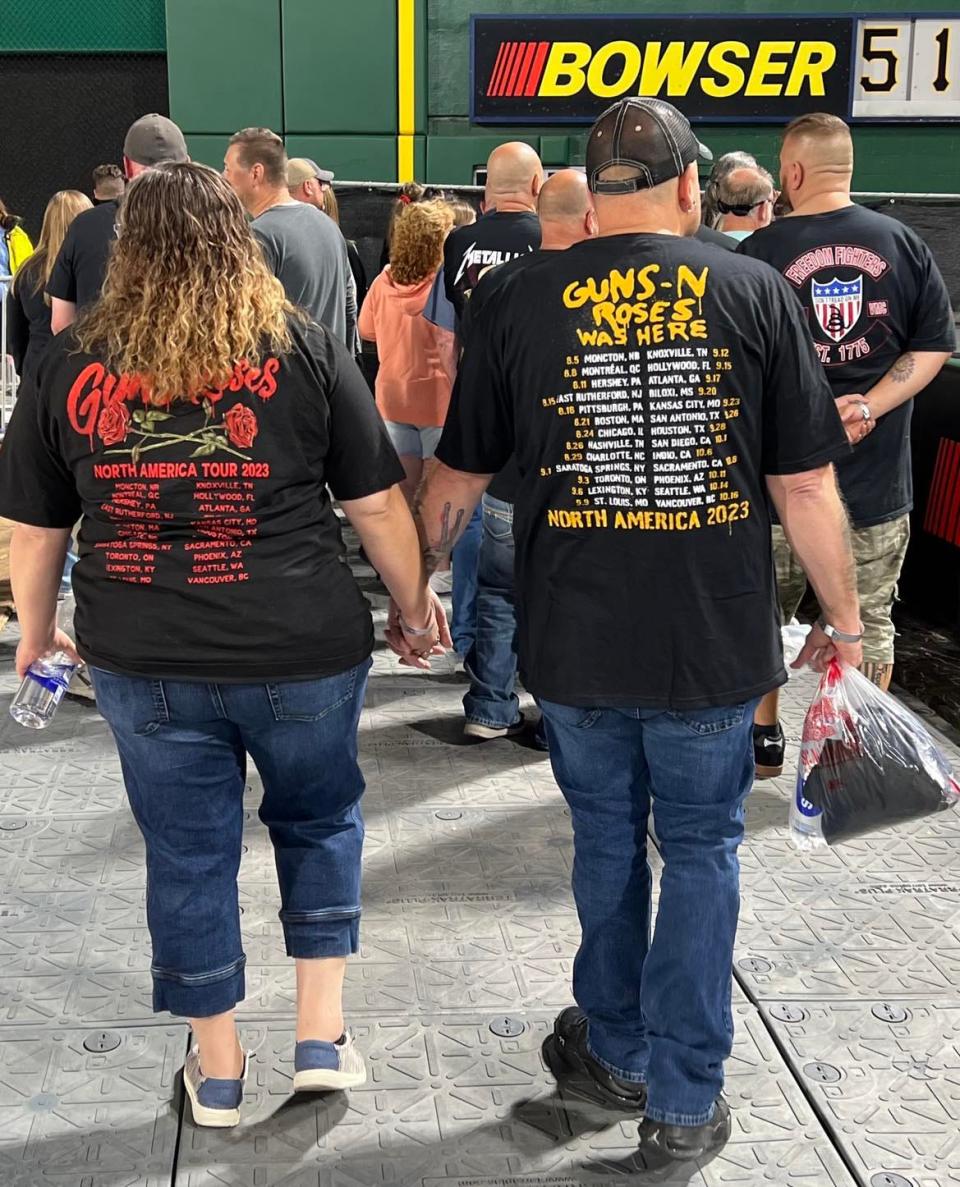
x: 768, y: 747
x: 568, y: 1057
x: 684, y: 1143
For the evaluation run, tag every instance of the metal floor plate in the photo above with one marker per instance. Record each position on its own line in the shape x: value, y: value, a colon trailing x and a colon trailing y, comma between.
x: 449, y: 1104
x: 468, y: 920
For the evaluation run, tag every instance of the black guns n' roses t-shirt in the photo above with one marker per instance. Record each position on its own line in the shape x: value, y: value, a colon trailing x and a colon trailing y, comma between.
x: 492, y: 240
x: 647, y: 383
x: 209, y: 549
x: 871, y: 291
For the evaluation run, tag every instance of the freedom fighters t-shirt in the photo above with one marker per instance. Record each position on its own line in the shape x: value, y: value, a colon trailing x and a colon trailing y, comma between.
x: 871, y: 291
x: 492, y: 240
x: 647, y: 384
x: 209, y: 548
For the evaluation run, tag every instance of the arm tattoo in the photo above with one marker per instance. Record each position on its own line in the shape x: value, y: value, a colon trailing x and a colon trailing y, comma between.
x: 434, y: 553
x: 903, y: 368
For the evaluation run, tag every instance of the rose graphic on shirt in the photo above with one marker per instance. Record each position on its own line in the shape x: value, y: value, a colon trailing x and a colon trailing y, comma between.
x: 242, y: 426
x: 113, y: 424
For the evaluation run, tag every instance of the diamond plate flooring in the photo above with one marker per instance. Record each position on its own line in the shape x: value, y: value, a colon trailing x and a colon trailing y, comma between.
x: 846, y: 1066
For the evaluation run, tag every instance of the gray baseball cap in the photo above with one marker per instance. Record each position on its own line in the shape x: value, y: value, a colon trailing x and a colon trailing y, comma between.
x: 153, y: 139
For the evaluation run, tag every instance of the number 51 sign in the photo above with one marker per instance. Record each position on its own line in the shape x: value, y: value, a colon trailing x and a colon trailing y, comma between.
x: 907, y: 69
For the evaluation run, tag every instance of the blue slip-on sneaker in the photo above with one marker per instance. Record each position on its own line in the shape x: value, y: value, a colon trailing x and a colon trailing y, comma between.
x: 325, y: 1067
x: 215, y: 1103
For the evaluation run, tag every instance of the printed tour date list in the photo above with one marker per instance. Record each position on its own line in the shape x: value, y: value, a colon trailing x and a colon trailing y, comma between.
x: 646, y: 398
x: 216, y: 537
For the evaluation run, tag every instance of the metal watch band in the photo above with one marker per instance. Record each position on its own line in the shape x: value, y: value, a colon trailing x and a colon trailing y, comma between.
x: 841, y: 636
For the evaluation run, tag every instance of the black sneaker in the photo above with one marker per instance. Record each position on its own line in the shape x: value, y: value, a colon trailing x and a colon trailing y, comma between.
x: 768, y: 747
x: 683, y: 1143
x: 568, y: 1057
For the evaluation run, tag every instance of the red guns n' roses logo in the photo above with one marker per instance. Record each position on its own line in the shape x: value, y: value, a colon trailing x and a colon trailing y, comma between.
x: 99, y: 398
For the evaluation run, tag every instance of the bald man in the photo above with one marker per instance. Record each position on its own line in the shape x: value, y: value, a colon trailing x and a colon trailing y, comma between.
x: 491, y: 707
x: 744, y: 199
x: 881, y: 322
x: 509, y: 228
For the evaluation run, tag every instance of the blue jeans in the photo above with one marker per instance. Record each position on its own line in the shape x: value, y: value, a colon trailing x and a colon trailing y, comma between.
x: 183, y: 748
x: 463, y: 621
x: 659, y: 1010
x: 492, y: 661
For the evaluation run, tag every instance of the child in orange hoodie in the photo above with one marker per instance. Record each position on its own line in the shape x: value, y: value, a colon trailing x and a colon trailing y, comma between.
x: 418, y: 360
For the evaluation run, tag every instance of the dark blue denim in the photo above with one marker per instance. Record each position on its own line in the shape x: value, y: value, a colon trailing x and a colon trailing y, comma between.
x: 659, y: 1009
x: 466, y: 555
x: 491, y: 663
x: 183, y: 748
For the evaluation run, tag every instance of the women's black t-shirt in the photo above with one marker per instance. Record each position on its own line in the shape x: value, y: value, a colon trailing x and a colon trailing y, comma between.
x: 209, y: 547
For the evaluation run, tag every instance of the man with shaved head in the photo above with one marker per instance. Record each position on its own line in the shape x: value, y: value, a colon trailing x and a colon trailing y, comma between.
x: 653, y: 391
x: 491, y: 706
x: 509, y: 227
x: 745, y: 198
x: 881, y: 322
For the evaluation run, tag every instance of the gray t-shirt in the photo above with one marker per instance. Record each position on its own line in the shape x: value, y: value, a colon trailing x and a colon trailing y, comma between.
x: 306, y: 252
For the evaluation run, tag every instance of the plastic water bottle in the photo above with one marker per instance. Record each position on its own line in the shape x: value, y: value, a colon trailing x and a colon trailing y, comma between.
x: 46, y: 681
x: 806, y: 823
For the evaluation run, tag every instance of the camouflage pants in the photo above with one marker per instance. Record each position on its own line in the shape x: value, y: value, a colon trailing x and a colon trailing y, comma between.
x: 878, y: 552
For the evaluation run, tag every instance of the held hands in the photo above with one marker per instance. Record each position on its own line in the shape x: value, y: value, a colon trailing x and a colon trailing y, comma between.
x: 29, y: 651
x: 416, y: 641
x: 818, y: 651
x: 856, y: 416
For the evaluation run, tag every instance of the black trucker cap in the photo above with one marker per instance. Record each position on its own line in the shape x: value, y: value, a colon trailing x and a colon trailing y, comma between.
x: 647, y: 135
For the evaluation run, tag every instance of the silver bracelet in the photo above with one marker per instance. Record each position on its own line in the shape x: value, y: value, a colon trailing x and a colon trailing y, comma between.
x: 417, y: 633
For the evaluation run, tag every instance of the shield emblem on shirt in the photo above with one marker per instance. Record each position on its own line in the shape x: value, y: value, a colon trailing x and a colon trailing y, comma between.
x: 837, y: 305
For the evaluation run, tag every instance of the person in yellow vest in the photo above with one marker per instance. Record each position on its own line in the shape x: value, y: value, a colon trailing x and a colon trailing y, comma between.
x: 15, y: 245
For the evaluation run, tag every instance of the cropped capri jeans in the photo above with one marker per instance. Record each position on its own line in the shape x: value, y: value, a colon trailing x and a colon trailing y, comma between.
x: 183, y: 748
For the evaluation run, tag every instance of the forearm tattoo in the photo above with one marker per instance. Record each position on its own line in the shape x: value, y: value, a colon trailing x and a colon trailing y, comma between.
x: 436, y: 551
x: 903, y: 368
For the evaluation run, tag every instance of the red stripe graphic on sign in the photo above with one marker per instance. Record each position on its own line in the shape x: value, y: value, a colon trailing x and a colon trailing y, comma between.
x: 525, y: 68
x: 536, y: 71
x: 517, y: 63
x: 933, y: 495
x: 951, y: 497
x: 943, y: 503
x: 948, y: 494
x: 940, y: 520
x: 492, y: 87
x: 506, y: 67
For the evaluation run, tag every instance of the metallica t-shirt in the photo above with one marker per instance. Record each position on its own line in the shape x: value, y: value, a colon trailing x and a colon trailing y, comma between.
x: 647, y: 384
x: 870, y: 291
x: 492, y: 240
x: 209, y: 549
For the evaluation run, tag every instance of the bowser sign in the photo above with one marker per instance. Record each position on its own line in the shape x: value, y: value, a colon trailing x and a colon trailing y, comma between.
x: 567, y: 69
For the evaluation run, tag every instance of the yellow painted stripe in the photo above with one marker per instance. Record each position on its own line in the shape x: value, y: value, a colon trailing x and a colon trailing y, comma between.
x: 405, y: 162
x: 406, y: 87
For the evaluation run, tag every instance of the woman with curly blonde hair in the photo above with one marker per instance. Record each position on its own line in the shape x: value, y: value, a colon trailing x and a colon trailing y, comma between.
x: 418, y: 360
x: 197, y: 423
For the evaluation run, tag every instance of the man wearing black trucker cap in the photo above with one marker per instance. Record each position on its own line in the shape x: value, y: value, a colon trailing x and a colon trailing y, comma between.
x: 654, y: 389
x: 78, y: 273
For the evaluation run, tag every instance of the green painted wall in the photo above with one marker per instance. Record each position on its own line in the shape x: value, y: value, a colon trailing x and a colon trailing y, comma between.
x: 223, y: 62
x: 340, y: 67
x: 325, y: 75
x: 81, y: 26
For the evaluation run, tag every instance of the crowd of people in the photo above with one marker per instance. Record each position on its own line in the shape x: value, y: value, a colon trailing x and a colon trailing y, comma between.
x: 635, y: 421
